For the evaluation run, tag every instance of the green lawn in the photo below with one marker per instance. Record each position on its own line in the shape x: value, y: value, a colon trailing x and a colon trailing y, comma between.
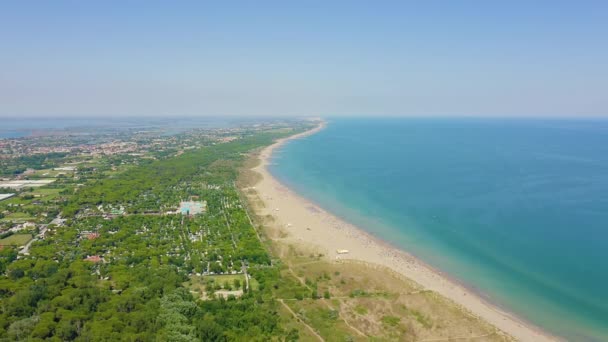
x: 223, y: 279
x: 16, y: 240
x: 48, y: 173
x: 119, y: 169
x: 47, y: 194
x: 42, y: 194
x: 14, y: 200
x: 17, y: 217
x: 200, y: 281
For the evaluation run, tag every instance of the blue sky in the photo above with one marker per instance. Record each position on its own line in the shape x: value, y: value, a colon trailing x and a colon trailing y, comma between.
x: 474, y: 58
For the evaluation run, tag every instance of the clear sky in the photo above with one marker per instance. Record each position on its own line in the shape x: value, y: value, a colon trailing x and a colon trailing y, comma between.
x: 115, y: 58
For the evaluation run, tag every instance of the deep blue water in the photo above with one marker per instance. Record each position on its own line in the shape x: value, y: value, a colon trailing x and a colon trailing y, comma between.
x: 517, y: 209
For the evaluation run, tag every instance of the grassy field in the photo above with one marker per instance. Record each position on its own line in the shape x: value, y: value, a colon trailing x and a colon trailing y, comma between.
x: 16, y: 240
x: 18, y: 217
x: 368, y: 302
x: 15, y: 200
x: 41, y: 194
x: 199, y: 283
x: 118, y: 170
x: 47, y: 193
x: 15, y: 208
x: 50, y: 173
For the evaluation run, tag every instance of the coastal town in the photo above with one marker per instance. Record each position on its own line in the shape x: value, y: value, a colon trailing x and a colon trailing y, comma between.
x: 122, y: 204
x: 39, y: 174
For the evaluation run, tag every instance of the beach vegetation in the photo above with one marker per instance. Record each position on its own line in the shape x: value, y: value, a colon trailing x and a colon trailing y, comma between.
x: 358, y: 293
x: 361, y: 310
x: 420, y: 317
x: 391, y: 320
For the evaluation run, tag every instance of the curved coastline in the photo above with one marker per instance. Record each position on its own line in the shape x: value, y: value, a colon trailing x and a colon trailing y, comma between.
x: 306, y: 222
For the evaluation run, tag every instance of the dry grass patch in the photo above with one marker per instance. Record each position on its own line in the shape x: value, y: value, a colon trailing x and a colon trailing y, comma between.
x: 324, y: 320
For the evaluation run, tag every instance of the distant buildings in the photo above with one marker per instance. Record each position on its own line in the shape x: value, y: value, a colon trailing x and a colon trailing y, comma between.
x: 93, y: 236
x: 94, y: 258
x: 110, y: 210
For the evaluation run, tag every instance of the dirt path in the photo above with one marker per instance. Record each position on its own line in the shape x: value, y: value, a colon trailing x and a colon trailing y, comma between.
x: 301, y: 321
x: 344, y: 319
x: 326, y: 303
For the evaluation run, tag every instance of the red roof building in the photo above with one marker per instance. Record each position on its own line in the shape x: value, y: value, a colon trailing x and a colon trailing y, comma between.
x: 93, y: 236
x: 94, y: 258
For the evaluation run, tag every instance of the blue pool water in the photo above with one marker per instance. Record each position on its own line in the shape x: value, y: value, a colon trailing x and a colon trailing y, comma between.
x: 515, y: 208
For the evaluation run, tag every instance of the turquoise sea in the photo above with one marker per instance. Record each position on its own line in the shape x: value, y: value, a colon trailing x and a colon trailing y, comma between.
x: 516, y: 209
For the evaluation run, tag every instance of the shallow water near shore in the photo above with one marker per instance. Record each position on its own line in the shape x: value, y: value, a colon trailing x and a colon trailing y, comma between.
x: 516, y: 209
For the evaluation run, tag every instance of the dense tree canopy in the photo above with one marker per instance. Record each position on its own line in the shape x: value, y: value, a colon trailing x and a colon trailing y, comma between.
x: 100, y: 278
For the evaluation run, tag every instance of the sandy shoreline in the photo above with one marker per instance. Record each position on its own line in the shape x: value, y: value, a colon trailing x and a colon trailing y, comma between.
x: 310, y: 224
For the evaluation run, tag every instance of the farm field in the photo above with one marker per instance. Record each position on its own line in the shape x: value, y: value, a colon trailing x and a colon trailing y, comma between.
x: 16, y: 240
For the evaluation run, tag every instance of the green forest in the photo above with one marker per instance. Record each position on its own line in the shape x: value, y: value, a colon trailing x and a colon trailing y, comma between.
x: 125, y: 277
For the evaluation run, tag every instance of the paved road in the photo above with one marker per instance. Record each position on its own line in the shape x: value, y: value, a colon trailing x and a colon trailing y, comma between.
x: 43, y: 228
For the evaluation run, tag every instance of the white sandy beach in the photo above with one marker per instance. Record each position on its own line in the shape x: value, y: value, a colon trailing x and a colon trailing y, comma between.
x: 308, y: 223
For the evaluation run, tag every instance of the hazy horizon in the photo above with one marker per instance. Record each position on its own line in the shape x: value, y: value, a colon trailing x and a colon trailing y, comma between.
x: 118, y: 117
x: 277, y: 59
